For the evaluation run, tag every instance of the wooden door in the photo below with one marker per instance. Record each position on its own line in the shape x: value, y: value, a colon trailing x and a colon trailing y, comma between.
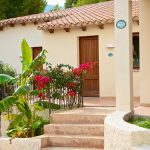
x: 36, y: 51
x: 89, y: 52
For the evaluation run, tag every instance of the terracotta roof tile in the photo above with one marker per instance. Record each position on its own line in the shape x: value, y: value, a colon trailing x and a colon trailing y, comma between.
x: 87, y: 15
x: 79, y: 16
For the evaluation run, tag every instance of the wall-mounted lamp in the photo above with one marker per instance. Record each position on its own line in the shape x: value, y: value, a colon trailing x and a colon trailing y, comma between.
x: 110, y: 46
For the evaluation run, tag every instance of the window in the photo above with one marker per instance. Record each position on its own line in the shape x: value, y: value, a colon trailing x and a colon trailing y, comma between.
x: 136, y: 51
x: 36, y: 51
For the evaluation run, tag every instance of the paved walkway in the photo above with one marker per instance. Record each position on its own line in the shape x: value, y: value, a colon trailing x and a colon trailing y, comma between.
x: 105, y: 102
x: 111, y: 102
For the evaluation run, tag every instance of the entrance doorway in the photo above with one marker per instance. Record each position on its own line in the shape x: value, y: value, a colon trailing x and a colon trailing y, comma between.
x: 89, y: 52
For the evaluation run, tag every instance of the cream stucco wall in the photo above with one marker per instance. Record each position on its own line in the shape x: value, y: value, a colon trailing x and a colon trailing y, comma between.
x: 63, y: 48
x: 145, y: 51
x: 10, y: 40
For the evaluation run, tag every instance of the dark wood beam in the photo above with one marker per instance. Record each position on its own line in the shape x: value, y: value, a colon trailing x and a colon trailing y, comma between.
x: 101, y: 26
x: 1, y: 28
x: 12, y: 24
x: 51, y: 30
x: 67, y: 29
x: 83, y: 28
x: 23, y: 23
x: 35, y: 22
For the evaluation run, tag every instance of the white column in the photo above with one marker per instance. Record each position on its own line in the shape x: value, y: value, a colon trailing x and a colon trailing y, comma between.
x: 124, y: 56
x: 145, y: 51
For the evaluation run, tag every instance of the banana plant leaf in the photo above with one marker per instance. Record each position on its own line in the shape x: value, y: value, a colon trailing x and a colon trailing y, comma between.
x: 22, y: 90
x: 39, y: 60
x: 4, y: 79
x: 7, y: 102
x: 24, y: 109
x: 26, y: 55
x: 16, y: 121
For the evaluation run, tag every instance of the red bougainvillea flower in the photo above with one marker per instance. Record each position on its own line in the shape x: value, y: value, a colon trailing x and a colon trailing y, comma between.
x: 83, y: 67
x: 71, y: 93
x: 40, y: 95
x: 77, y: 71
x: 71, y: 85
x: 41, y: 81
x: 87, y: 66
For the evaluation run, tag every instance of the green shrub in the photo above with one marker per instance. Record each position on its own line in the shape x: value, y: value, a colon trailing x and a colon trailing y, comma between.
x: 141, y: 122
x: 6, y: 90
x: 7, y: 69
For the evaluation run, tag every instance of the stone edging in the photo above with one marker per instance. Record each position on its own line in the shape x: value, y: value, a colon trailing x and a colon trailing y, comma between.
x: 35, y: 143
x: 120, y: 135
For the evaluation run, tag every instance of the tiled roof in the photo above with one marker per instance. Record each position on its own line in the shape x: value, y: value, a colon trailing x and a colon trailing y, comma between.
x: 35, y: 18
x: 99, y: 13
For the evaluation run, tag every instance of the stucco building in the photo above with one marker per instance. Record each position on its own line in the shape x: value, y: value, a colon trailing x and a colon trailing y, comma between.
x: 74, y: 36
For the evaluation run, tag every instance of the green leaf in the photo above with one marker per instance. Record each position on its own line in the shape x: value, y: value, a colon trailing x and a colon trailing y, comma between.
x: 46, y: 105
x: 38, y: 61
x: 26, y: 55
x: 37, y: 123
x: 17, y: 120
x: 22, y: 90
x: 35, y: 92
x: 7, y: 102
x: 4, y: 79
x: 24, y: 108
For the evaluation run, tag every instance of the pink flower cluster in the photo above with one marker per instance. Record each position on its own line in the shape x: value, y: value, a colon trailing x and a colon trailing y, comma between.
x: 71, y: 93
x: 41, y: 81
x: 83, y: 67
x: 87, y: 66
x: 71, y: 85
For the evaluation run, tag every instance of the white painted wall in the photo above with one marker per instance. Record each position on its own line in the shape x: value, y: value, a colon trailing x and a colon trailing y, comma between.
x: 145, y: 51
x: 63, y: 48
x: 10, y: 42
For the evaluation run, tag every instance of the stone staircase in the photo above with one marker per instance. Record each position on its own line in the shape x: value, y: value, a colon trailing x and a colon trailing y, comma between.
x: 79, y: 129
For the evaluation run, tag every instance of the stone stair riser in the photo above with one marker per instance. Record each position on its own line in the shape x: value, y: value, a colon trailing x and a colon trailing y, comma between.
x: 77, y: 119
x: 76, y: 142
x: 64, y: 129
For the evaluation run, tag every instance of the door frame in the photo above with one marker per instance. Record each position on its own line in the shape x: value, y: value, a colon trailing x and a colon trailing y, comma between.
x: 78, y: 54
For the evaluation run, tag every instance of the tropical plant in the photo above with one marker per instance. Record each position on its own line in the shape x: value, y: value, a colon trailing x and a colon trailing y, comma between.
x: 25, y: 122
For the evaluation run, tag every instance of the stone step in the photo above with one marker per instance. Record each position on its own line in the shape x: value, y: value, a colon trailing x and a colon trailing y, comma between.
x: 76, y: 141
x: 69, y: 148
x: 74, y: 129
x: 77, y: 119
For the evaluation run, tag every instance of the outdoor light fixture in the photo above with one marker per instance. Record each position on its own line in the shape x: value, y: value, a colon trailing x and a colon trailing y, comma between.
x: 110, y: 46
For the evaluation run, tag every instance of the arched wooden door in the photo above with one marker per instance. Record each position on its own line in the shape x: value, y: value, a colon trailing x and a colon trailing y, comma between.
x: 89, y: 52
